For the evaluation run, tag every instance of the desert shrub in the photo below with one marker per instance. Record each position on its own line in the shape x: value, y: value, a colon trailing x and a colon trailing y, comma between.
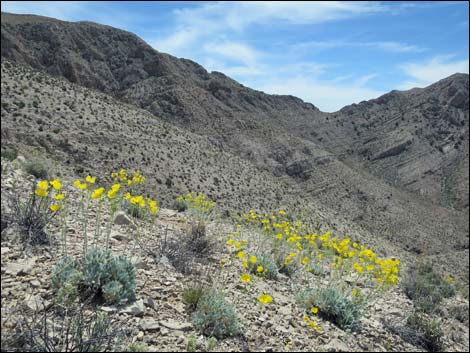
x: 191, y: 247
x: 333, y: 305
x: 288, y: 269
x: 9, y: 153
x: 137, y: 347
x: 71, y: 330
x: 191, y: 343
x: 429, y: 331
x: 214, y: 316
x: 99, y: 275
x: 192, y: 294
x: 270, y: 269
x: 36, y: 168
x: 426, y: 287
x: 460, y: 312
x: 32, y: 216
x: 180, y: 205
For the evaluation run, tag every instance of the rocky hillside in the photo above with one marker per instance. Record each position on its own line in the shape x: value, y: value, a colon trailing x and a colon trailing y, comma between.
x: 411, y: 190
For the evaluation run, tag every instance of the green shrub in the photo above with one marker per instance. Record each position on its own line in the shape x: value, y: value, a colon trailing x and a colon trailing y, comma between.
x: 191, y: 344
x: 333, y: 305
x: 9, y: 153
x: 270, y: 270
x: 180, y: 205
x: 100, y: 274
x: 215, y: 317
x: 36, y: 168
x: 65, y: 280
x: 428, y: 331
x: 44, y: 330
x: 286, y: 269
x: 426, y: 287
x: 191, y: 295
x: 137, y: 347
x: 32, y: 217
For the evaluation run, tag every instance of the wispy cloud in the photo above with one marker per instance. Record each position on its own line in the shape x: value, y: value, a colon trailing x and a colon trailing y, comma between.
x: 426, y: 72
x: 331, y: 94
x: 388, y: 46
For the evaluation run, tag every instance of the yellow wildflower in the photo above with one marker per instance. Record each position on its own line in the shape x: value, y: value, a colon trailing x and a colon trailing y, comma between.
x: 97, y: 193
x: 358, y: 268
x: 241, y: 254
x: 230, y: 242
x: 245, y: 278
x: 260, y: 269
x: 54, y: 207
x: 265, y: 298
x: 314, y: 310
x: 43, y: 185
x: 41, y: 192
x: 354, y: 292
x: 56, y: 184
x: 90, y: 179
x: 253, y: 259
x: 245, y: 263
x: 305, y: 261
x: 59, y: 197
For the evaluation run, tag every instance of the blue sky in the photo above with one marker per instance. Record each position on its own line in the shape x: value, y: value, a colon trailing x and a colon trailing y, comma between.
x: 328, y: 53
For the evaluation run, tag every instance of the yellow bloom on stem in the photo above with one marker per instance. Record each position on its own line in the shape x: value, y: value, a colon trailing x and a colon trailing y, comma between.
x: 127, y: 196
x: 253, y: 259
x: 358, y: 268
x: 54, y: 207
x: 111, y: 194
x: 314, y: 310
x: 230, y: 242
x: 116, y: 187
x: 238, y: 245
x: 354, y: 292
x: 260, y: 269
x: 41, y: 192
x: 245, y: 278
x: 245, y: 263
x: 265, y: 299
x: 56, y: 184
x: 43, y: 185
x: 370, y: 267
x: 305, y: 261
x: 81, y: 186
x: 59, y: 197
x: 282, y: 213
x: 90, y: 179
x: 241, y: 254
x: 97, y: 193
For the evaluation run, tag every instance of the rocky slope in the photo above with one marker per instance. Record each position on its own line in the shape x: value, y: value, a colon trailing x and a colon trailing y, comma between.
x: 159, y: 319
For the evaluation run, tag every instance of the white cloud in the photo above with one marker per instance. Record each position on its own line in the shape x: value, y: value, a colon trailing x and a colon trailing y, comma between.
x: 389, y: 46
x: 177, y: 42
x: 327, y: 95
x: 428, y: 72
x: 234, y: 51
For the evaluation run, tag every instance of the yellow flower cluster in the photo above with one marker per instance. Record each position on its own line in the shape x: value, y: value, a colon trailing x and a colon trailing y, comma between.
x: 312, y: 248
x: 123, y: 177
x: 43, y: 188
x: 197, y: 202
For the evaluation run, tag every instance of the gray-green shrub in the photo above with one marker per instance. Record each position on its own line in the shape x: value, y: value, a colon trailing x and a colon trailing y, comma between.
x: 215, y: 317
x: 333, y: 305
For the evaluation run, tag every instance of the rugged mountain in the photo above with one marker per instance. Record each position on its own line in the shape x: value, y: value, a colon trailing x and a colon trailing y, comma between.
x: 397, y: 166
